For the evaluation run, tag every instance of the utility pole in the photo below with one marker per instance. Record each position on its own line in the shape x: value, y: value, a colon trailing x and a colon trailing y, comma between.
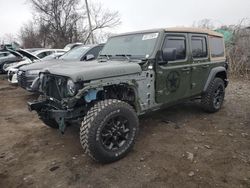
x: 90, y: 25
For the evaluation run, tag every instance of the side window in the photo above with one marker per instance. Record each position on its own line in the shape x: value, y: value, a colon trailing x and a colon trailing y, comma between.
x: 41, y: 55
x: 49, y: 52
x: 217, y: 47
x: 95, y: 51
x: 179, y: 43
x: 44, y: 54
x: 199, y: 47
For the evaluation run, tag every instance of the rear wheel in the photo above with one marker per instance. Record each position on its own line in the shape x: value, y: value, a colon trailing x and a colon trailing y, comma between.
x: 108, y: 131
x: 213, y: 98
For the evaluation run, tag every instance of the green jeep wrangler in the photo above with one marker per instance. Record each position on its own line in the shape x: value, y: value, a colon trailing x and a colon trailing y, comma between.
x: 135, y: 73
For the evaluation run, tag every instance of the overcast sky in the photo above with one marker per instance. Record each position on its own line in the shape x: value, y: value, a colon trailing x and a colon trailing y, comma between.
x: 141, y: 14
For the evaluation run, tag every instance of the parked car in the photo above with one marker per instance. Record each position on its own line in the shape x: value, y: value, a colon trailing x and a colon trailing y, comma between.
x: 13, y: 57
x: 38, y: 55
x: 4, y: 53
x: 14, y: 67
x: 27, y: 74
x: 55, y: 55
x: 11, y: 46
x: 72, y: 45
x: 27, y: 58
x: 46, y: 52
x: 138, y: 72
x: 32, y: 50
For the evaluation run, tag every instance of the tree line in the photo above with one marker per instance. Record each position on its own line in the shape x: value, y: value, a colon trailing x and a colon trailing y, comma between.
x: 56, y: 23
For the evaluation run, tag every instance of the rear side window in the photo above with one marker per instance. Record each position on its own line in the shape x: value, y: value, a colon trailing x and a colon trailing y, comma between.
x: 44, y: 54
x: 216, y: 46
x: 176, y: 42
x: 41, y: 55
x: 199, y: 47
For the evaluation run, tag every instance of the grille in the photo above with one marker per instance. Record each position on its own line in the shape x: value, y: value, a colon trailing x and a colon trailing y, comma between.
x: 52, y: 88
x: 22, y: 80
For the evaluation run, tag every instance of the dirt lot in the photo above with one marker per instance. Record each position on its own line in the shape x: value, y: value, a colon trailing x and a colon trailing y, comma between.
x: 178, y: 147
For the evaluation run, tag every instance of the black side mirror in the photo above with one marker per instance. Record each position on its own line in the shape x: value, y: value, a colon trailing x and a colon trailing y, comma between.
x: 89, y: 57
x: 169, y: 54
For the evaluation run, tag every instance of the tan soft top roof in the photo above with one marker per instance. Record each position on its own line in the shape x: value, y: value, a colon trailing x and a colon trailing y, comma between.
x: 193, y: 30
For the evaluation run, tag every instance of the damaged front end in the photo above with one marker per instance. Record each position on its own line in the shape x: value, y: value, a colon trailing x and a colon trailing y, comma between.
x: 53, y: 105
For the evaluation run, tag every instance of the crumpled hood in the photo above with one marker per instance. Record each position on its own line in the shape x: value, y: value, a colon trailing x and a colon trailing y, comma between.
x: 92, y: 70
x: 41, y: 65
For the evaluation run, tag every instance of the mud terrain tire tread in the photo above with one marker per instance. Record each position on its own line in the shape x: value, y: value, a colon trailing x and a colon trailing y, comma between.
x: 207, y: 98
x: 92, y: 121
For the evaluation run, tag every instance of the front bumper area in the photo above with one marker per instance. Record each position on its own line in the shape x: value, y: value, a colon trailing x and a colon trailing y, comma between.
x: 12, y: 76
x: 25, y: 80
x: 46, y: 110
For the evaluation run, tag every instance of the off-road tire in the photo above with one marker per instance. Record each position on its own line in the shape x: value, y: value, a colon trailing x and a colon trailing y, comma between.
x: 208, y: 98
x: 94, y: 123
x: 50, y: 123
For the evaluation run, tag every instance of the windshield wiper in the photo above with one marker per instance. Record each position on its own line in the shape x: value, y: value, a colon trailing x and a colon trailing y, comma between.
x: 124, y: 55
x: 105, y: 55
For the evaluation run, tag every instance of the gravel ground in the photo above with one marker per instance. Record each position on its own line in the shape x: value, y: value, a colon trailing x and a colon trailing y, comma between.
x: 177, y: 147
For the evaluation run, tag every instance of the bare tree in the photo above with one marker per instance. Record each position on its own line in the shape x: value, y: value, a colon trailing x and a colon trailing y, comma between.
x: 29, y: 36
x: 59, y: 18
x: 204, y: 23
x: 60, y: 22
x: 238, y: 52
x: 102, y: 19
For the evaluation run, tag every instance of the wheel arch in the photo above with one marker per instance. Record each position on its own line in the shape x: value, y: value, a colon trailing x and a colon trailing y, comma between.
x: 123, y: 91
x: 217, y: 72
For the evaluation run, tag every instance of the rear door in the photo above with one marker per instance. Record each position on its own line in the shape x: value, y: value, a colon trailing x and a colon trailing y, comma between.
x: 200, y: 62
x: 173, y: 78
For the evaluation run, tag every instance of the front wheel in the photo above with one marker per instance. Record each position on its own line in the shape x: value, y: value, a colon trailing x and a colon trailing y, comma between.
x: 213, y: 98
x: 108, y: 131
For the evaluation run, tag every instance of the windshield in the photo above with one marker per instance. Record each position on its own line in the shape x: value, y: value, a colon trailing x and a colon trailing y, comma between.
x: 134, y: 45
x: 75, y: 53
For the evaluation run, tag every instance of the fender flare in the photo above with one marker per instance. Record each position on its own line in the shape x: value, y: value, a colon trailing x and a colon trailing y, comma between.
x: 212, y: 75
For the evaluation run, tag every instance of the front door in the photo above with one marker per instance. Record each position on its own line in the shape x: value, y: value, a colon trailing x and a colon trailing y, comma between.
x: 173, y: 78
x: 200, y: 62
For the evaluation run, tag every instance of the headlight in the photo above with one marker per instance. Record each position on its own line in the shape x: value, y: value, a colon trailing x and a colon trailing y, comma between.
x: 33, y: 72
x: 71, y: 88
